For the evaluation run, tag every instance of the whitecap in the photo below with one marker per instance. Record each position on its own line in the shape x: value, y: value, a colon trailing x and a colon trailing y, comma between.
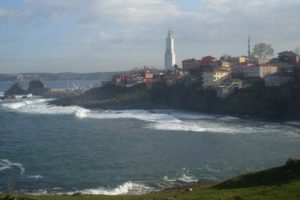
x: 41, y: 106
x: 126, y: 188
x: 183, y: 178
x: 178, y: 126
x: 6, y: 164
x: 35, y: 177
x: 142, y: 115
x: 187, y: 179
x: 131, y: 188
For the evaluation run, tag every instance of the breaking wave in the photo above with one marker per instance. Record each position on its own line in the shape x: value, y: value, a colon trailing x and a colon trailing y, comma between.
x: 177, y: 126
x: 126, y: 188
x: 166, y: 120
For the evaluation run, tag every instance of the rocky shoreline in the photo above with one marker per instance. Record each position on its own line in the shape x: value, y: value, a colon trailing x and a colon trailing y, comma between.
x: 38, y: 88
x: 257, y: 102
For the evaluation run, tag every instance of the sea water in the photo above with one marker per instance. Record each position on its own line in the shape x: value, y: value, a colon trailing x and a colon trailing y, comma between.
x: 48, y: 149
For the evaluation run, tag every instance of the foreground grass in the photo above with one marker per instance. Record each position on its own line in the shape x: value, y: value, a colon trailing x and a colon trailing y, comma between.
x: 273, y: 184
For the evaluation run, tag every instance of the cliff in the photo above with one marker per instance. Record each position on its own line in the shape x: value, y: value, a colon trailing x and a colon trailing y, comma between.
x: 258, y: 101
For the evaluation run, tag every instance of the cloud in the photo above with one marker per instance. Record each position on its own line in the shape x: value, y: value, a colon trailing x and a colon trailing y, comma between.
x: 139, y: 26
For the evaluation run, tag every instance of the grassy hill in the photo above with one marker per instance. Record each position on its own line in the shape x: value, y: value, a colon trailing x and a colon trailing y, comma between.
x: 272, y: 184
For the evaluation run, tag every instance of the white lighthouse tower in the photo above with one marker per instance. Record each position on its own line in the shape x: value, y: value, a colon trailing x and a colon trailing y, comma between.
x: 170, y: 59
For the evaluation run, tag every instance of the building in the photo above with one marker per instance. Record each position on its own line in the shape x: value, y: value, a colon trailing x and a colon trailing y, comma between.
x: 191, y: 64
x: 208, y: 60
x: 243, y: 59
x: 212, y: 77
x: 276, y: 80
x: 288, y: 57
x: 254, y: 71
x: 149, y: 76
x: 170, y: 57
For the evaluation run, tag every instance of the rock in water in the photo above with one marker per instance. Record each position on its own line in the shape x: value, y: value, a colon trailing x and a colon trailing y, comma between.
x: 15, y: 89
x: 36, y: 87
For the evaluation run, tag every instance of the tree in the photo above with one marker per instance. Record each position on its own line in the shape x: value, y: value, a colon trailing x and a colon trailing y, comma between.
x: 262, y: 50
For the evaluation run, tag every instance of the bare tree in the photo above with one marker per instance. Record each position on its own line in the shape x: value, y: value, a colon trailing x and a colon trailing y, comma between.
x: 262, y: 50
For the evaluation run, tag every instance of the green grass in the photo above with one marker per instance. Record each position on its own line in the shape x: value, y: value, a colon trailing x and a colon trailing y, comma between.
x: 272, y: 184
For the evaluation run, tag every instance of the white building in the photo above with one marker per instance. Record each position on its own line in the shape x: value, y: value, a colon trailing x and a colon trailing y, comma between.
x: 255, y: 71
x: 170, y: 58
x: 211, y: 78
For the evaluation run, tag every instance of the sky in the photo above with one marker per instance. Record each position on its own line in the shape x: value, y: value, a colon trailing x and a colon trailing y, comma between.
x: 115, y: 35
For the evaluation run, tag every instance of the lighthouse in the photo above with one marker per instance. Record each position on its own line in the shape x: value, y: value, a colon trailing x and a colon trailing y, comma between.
x: 170, y: 59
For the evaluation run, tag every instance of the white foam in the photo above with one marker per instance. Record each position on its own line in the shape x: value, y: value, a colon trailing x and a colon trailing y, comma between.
x: 131, y: 188
x: 184, y: 178
x: 187, y: 179
x: 142, y: 115
x: 177, y: 126
x: 6, y: 164
x: 35, y: 177
x: 158, y: 120
x: 41, y: 106
x: 126, y: 188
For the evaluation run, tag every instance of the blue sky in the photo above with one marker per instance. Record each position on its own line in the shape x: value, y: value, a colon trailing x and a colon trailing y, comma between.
x: 112, y: 35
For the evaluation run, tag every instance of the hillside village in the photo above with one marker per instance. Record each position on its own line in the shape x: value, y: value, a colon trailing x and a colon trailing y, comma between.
x: 225, y: 75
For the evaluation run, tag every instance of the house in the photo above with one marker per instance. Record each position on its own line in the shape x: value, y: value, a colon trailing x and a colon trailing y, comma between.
x: 148, y: 77
x: 211, y: 77
x: 253, y: 70
x: 288, y: 57
x: 276, y: 80
x: 228, y: 87
x: 243, y: 59
x: 191, y: 64
x: 208, y: 60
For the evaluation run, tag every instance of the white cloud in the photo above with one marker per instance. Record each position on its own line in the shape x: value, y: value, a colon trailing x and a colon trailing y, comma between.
x: 216, y: 27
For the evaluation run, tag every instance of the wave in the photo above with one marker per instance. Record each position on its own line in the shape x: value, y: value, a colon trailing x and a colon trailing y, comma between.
x: 178, y: 126
x: 6, y: 164
x: 126, y: 188
x: 166, y: 120
x: 142, y: 115
x: 39, y: 106
x: 184, y: 178
x: 130, y: 187
x: 35, y: 177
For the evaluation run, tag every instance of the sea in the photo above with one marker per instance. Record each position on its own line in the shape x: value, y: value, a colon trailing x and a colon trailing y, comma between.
x: 46, y: 149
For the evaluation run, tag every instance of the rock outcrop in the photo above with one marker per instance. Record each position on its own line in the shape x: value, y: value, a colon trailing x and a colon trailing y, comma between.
x: 6, y: 97
x: 15, y: 89
x: 36, y: 87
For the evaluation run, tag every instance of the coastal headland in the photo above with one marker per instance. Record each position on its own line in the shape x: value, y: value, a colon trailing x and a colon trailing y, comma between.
x: 256, y: 101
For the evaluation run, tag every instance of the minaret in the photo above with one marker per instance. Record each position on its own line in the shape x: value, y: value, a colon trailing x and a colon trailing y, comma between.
x: 170, y: 59
x: 249, y: 50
